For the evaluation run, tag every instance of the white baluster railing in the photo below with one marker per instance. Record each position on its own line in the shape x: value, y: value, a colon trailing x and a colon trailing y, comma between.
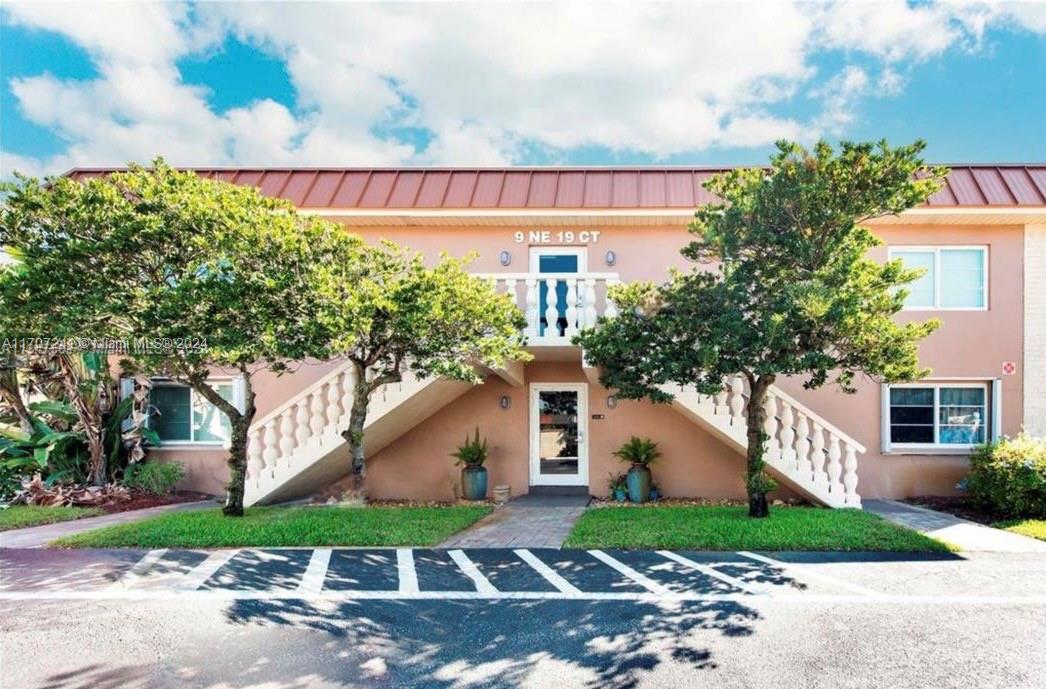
x: 567, y: 310
x: 800, y: 444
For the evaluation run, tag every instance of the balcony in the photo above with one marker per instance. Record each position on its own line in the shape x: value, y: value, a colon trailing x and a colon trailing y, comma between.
x: 557, y: 305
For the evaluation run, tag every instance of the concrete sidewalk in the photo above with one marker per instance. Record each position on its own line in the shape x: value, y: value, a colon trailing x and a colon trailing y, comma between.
x: 962, y: 533
x: 39, y: 536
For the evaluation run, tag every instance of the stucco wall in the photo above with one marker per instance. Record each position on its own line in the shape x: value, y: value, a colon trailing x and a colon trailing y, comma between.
x: 418, y: 466
x: 969, y: 345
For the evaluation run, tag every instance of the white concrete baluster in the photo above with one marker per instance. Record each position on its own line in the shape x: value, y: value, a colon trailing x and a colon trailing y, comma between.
x: 533, y: 318
x: 551, y: 308
x: 510, y: 290
x: 611, y: 310
x: 255, y: 462
x: 773, y: 450
x: 590, y: 303
x: 817, y: 457
x: 316, y: 421
x: 720, y: 400
x: 787, y: 433
x: 850, y: 477
x: 287, y: 443
x: 802, y: 444
x: 301, y: 422
x: 270, y: 452
x: 334, y: 410
x: 834, y: 468
x: 571, y: 312
x: 737, y: 401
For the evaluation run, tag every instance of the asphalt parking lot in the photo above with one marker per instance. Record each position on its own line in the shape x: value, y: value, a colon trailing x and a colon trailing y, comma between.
x: 290, y: 618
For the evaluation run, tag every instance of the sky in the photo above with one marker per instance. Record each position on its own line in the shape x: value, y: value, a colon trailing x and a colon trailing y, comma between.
x: 352, y: 84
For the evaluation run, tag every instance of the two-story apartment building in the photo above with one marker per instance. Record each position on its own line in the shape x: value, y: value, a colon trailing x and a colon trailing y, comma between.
x: 555, y: 239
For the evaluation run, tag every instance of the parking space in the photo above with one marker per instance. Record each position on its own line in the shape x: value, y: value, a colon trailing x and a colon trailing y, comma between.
x: 406, y: 573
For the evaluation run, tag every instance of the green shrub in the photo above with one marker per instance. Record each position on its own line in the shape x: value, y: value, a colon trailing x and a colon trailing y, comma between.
x: 155, y: 477
x: 1009, y: 476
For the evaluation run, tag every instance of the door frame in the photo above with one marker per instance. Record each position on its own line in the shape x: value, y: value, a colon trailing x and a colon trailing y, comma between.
x: 536, y: 478
x: 537, y: 251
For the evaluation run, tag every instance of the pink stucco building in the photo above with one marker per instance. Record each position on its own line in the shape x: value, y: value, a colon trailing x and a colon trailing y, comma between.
x: 555, y: 238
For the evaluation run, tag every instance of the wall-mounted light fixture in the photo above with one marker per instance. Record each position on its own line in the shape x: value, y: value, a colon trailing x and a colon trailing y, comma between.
x: 611, y: 401
x: 505, y: 401
x: 611, y: 258
x: 505, y: 258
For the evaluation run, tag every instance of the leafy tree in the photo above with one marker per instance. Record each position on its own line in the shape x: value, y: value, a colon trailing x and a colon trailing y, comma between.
x: 783, y: 288
x: 386, y: 312
x: 198, y: 276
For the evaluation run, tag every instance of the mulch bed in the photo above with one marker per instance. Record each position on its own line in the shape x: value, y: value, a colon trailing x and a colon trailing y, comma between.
x: 960, y: 506
x: 142, y: 500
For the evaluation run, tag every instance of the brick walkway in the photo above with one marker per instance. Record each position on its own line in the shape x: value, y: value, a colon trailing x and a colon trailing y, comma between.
x: 526, y: 522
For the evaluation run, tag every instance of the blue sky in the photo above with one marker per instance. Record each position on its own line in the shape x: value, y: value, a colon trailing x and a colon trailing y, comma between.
x: 355, y: 84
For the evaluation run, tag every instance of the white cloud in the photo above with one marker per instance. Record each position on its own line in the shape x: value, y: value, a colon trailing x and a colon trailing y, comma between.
x: 490, y: 82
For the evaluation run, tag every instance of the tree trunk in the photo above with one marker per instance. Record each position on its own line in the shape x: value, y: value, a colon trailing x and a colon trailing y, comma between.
x: 354, y: 436
x: 11, y: 393
x: 755, y: 417
x: 240, y: 423
x: 237, y: 462
x: 90, y: 420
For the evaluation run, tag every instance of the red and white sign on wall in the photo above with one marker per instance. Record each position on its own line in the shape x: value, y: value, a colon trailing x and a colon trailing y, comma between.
x: 1009, y: 367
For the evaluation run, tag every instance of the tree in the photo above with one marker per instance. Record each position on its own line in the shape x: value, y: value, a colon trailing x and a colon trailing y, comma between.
x: 194, y: 275
x: 386, y: 312
x: 783, y: 288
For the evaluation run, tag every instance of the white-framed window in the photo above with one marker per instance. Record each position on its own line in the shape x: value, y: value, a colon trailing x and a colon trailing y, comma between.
x: 944, y: 416
x: 180, y: 415
x: 956, y: 277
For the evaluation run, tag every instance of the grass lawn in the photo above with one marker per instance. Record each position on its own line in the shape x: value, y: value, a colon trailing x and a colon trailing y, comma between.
x: 286, y: 526
x: 727, y: 527
x: 21, y: 516
x: 1036, y: 528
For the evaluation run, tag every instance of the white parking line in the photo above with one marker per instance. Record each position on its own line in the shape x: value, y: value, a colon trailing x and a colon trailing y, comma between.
x: 203, y: 571
x: 312, y: 580
x: 641, y: 579
x: 550, y: 574
x: 638, y: 597
x: 140, y: 568
x: 715, y: 574
x: 408, y: 576
x: 469, y: 568
x: 802, y: 571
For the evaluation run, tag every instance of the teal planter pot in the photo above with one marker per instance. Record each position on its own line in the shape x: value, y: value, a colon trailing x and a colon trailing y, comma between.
x: 474, y: 483
x: 638, y: 484
x: 620, y: 495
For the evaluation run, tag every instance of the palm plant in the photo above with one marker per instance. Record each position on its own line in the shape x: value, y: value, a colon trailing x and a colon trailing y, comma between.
x: 473, y: 452
x: 638, y: 451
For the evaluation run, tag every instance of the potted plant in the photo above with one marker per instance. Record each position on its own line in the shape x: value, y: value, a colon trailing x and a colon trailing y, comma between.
x: 655, y: 492
x: 640, y: 453
x: 471, y: 456
x: 618, y: 487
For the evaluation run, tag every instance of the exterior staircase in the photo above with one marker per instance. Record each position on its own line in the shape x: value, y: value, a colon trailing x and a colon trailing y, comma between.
x: 804, y: 451
x: 297, y: 448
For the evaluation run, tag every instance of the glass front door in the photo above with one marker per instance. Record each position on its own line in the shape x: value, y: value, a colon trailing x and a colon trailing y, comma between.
x: 558, y: 454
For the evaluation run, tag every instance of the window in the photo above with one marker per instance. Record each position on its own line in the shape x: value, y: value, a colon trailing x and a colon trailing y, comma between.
x: 944, y: 416
x: 179, y: 414
x: 955, y: 278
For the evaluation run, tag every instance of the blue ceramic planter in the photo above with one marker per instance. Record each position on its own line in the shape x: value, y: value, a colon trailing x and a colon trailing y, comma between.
x: 638, y: 483
x: 474, y: 483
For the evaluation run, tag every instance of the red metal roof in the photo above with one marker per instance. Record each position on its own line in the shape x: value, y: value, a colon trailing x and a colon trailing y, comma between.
x: 568, y: 187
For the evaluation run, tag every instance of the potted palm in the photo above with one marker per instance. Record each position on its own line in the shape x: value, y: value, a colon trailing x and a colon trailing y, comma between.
x: 618, y: 487
x: 640, y: 453
x: 471, y: 456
